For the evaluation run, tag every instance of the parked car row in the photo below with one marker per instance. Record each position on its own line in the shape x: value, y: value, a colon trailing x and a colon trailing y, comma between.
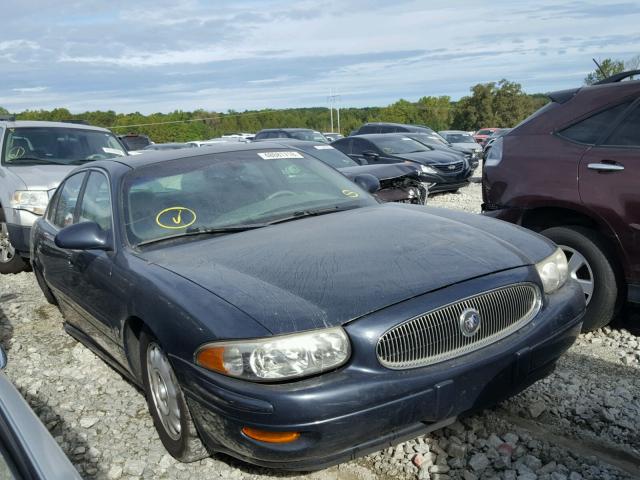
x: 271, y: 308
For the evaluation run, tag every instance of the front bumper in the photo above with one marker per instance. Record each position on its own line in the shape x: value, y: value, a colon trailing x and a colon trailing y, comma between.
x: 20, y: 238
x: 364, y: 407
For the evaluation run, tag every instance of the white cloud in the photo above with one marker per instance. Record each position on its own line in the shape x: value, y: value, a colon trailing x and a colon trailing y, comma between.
x: 30, y: 89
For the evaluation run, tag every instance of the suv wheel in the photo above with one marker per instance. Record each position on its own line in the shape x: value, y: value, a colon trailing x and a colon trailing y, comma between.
x: 167, y: 404
x: 586, y: 253
x: 10, y: 261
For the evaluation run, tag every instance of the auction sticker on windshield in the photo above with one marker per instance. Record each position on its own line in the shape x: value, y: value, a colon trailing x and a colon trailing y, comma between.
x: 279, y: 155
x: 323, y: 147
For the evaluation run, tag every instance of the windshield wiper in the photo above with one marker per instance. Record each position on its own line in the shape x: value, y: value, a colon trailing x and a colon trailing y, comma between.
x: 43, y: 161
x: 311, y: 213
x: 205, y: 231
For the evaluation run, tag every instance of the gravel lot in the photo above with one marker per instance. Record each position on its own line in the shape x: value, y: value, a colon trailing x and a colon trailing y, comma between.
x: 581, y: 422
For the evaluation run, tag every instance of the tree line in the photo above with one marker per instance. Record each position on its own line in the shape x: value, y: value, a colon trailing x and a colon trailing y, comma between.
x: 494, y: 104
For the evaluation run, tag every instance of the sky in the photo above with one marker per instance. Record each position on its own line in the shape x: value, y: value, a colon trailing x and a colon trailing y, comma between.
x: 165, y: 55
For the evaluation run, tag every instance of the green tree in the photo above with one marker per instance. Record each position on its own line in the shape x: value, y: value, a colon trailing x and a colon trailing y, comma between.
x: 607, y: 68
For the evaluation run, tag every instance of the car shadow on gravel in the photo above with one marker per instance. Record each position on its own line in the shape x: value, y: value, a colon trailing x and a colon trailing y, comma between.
x: 6, y: 328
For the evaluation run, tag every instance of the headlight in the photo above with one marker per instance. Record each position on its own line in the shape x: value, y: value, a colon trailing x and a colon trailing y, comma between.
x: 277, y: 358
x: 428, y: 169
x: 34, y: 201
x: 553, y: 271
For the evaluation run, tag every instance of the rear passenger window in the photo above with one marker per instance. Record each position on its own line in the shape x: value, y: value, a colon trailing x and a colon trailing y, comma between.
x: 360, y: 146
x: 368, y: 129
x: 627, y: 134
x: 96, y: 201
x: 591, y: 129
x: 67, y: 200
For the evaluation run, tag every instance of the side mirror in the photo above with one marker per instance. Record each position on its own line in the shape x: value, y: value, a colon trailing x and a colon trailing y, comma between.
x: 367, y: 182
x: 369, y: 155
x: 3, y: 358
x: 83, y: 236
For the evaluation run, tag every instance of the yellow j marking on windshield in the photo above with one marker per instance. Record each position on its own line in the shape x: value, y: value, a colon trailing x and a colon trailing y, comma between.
x: 175, y: 218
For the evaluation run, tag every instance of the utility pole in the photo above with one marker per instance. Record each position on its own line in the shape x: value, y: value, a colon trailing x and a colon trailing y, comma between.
x: 333, y: 103
x: 330, y: 100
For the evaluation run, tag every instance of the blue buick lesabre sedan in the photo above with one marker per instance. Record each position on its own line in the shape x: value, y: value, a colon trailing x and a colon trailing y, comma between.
x: 273, y: 310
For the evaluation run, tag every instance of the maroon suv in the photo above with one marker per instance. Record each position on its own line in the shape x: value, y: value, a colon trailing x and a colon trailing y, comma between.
x: 571, y: 171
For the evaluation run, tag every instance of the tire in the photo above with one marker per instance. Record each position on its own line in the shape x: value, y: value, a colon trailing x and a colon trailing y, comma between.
x: 177, y: 433
x: 604, y: 301
x: 10, y: 260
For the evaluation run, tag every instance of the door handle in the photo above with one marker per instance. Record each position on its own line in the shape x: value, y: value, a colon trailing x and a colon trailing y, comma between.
x: 606, y: 167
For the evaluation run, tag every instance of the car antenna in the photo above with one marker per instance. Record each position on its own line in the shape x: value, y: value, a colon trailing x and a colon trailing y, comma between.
x: 599, y: 68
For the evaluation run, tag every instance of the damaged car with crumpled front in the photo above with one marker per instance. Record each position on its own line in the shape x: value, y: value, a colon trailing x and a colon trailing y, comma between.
x: 273, y: 310
x: 400, y: 182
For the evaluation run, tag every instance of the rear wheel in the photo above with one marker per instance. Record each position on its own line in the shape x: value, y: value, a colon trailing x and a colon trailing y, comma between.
x: 10, y: 260
x: 166, y: 403
x: 587, y: 253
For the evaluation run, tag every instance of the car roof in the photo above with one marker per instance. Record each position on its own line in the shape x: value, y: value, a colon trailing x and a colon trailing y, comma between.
x: 39, y: 123
x: 453, y: 131
x: 291, y: 142
x: 378, y: 136
x: 152, y: 157
x: 287, y: 130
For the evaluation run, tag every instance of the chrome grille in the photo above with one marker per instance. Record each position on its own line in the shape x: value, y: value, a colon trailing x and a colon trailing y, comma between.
x: 449, y: 167
x: 437, y: 336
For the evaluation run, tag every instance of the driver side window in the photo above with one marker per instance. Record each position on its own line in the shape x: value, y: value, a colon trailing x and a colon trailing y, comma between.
x: 96, y: 201
x: 64, y: 213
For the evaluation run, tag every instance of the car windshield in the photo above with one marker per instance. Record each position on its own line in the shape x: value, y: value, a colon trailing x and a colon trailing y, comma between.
x: 330, y: 156
x: 309, y: 135
x: 58, y: 145
x: 484, y: 132
x: 231, y: 190
x: 399, y: 145
x: 459, y: 138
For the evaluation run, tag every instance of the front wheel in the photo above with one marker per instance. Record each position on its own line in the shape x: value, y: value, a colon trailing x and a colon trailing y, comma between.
x: 10, y: 260
x: 586, y: 253
x: 167, y: 405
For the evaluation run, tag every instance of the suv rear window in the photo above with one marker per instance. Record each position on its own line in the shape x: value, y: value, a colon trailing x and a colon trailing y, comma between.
x: 591, y: 129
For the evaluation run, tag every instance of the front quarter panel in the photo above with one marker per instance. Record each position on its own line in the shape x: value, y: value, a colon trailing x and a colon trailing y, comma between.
x: 183, y: 315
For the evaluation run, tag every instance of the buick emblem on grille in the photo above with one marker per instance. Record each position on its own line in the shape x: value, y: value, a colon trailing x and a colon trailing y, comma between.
x: 470, y: 321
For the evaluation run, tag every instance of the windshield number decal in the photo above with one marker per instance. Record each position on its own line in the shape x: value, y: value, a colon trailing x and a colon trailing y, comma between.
x: 176, y: 218
x: 323, y: 147
x: 278, y: 155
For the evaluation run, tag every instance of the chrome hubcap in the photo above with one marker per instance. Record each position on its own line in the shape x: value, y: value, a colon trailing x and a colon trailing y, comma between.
x: 580, y: 270
x: 7, y: 252
x: 164, y: 390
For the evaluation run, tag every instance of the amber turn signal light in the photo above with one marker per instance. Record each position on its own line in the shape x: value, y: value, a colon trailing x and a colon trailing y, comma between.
x: 269, y: 436
x: 212, y: 358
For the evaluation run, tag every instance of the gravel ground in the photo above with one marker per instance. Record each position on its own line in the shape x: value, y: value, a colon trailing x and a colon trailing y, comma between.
x: 579, y: 423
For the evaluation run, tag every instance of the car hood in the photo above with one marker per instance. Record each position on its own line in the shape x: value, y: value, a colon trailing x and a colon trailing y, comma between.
x: 328, y: 270
x: 431, y: 157
x: 382, y: 171
x: 41, y: 177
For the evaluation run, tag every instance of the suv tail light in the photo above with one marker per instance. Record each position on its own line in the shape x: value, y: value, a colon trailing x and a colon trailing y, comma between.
x: 495, y: 153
